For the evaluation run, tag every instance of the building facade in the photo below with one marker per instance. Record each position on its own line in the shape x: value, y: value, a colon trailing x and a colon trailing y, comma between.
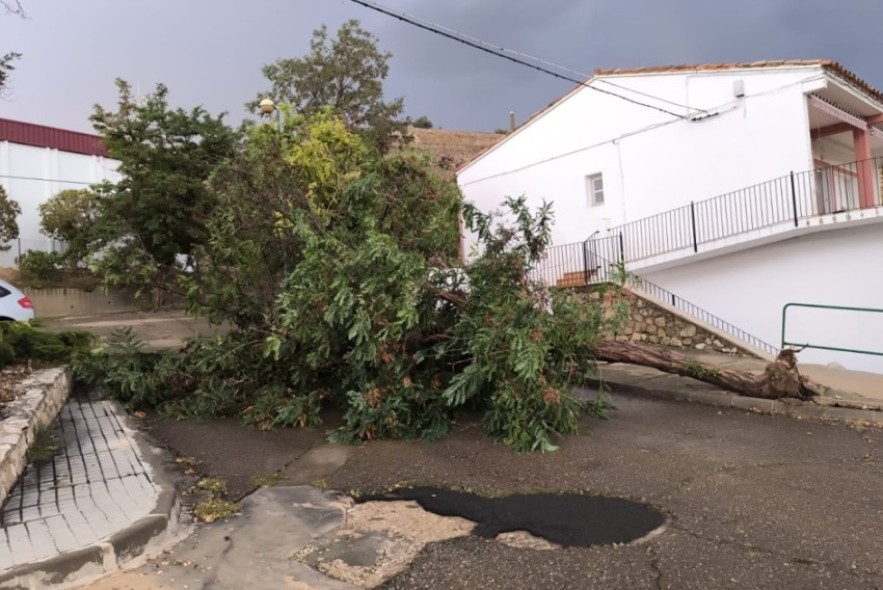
x: 38, y: 162
x: 740, y: 188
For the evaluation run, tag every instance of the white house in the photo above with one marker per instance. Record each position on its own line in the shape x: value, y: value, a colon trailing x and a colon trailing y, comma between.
x: 738, y: 188
x: 36, y: 163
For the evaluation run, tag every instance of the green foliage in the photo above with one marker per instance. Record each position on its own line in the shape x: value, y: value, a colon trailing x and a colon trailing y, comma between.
x: 70, y: 216
x: 700, y: 371
x: 39, y: 265
x: 317, y: 180
x: 43, y: 447
x: 155, y: 216
x: 22, y: 342
x: 122, y: 368
x: 9, y: 212
x: 422, y: 122
x: 346, y: 74
x: 7, y: 67
x: 338, y: 268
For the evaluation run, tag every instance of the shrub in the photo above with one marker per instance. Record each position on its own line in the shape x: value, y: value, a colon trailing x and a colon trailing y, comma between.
x: 20, y: 342
x: 38, y: 265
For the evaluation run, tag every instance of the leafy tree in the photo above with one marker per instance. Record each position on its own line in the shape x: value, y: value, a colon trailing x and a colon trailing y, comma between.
x: 282, y: 185
x: 337, y: 266
x: 12, y: 7
x: 70, y: 217
x: 6, y: 67
x: 345, y: 73
x: 422, y: 122
x: 153, y: 219
x: 9, y: 212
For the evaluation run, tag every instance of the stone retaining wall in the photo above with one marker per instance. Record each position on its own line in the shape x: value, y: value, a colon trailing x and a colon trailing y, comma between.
x: 647, y: 321
x: 45, y: 392
x: 50, y: 303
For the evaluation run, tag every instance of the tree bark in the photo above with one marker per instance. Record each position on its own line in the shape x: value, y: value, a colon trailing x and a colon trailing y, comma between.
x: 781, y: 379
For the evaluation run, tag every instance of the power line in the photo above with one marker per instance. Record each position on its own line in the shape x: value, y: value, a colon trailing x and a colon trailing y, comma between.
x: 37, y: 178
x: 659, y: 98
x: 500, y: 52
x: 720, y: 109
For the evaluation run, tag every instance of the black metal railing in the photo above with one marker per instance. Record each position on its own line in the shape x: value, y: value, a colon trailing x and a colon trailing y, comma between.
x: 636, y: 283
x: 782, y: 201
x: 599, y: 260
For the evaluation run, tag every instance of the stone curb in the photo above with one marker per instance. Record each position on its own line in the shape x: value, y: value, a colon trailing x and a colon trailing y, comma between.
x: 45, y: 392
x: 152, y: 531
x: 724, y: 399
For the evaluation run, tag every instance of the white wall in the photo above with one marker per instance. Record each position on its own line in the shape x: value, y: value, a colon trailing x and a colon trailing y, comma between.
x: 750, y: 288
x: 31, y: 175
x: 651, y: 161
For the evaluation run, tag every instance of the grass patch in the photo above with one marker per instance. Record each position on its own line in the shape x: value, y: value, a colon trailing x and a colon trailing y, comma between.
x: 267, y: 480
x: 215, y: 485
x: 214, y: 509
x: 44, y: 447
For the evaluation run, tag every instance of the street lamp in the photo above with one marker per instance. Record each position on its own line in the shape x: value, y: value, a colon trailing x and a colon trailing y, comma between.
x: 267, y: 107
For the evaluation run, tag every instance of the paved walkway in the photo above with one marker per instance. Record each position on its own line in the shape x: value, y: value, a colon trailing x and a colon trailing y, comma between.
x: 98, y: 484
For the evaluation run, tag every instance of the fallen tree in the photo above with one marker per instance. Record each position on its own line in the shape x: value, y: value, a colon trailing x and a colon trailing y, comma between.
x: 781, y: 379
x: 339, y: 299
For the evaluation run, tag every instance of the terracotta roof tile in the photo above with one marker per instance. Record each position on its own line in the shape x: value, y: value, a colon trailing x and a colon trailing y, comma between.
x: 828, y: 64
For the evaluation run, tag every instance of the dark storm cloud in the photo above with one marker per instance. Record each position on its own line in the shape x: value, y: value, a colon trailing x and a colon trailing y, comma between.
x: 210, y: 51
x: 584, y: 35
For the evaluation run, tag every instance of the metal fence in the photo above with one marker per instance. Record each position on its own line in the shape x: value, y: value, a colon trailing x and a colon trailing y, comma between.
x: 784, y: 200
x: 19, y: 246
x: 601, y: 260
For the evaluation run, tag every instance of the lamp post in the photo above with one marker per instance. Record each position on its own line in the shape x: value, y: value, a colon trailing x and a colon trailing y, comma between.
x: 267, y: 107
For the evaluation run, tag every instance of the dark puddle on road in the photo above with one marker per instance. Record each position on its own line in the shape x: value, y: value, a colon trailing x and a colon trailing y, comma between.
x: 569, y: 520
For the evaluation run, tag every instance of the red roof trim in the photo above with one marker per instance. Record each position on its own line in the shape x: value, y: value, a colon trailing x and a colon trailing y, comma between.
x: 51, y: 137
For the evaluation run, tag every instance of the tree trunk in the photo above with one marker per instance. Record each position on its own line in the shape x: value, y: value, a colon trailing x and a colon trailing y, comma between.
x: 781, y: 378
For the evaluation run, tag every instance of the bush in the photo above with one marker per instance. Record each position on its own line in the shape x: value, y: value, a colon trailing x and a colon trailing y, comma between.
x: 38, y: 265
x: 21, y: 342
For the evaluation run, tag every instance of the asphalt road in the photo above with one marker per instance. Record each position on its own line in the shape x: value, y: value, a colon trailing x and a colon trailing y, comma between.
x: 752, y: 501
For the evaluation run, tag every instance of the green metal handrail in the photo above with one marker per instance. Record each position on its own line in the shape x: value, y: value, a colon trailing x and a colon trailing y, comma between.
x: 819, y: 346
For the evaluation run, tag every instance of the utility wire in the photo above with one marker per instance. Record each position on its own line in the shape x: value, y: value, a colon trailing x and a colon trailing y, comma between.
x: 500, y: 52
x: 659, y: 98
x: 37, y: 178
x: 719, y: 110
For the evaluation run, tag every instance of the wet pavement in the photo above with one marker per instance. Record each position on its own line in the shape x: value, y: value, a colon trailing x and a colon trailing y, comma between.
x: 97, y: 484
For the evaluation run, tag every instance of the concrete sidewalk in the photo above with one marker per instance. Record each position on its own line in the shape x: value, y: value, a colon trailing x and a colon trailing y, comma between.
x: 157, y: 329
x: 849, y: 395
x: 89, y: 509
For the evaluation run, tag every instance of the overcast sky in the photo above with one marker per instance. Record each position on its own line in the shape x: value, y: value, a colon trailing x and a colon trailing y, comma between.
x: 210, y: 52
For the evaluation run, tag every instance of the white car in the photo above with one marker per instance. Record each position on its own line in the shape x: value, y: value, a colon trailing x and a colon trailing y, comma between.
x: 14, y: 305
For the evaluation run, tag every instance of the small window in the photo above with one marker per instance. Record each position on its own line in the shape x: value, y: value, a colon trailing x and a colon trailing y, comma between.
x: 595, y: 190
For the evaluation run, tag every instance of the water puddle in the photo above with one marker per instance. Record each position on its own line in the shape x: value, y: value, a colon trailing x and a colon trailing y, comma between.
x: 567, y: 520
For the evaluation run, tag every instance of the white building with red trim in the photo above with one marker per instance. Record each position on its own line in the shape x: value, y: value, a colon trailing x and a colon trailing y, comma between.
x: 739, y: 188
x: 38, y: 162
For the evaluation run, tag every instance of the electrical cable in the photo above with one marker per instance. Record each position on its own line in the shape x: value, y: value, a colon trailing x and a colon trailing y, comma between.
x: 721, y: 109
x: 37, y: 178
x: 481, y: 46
